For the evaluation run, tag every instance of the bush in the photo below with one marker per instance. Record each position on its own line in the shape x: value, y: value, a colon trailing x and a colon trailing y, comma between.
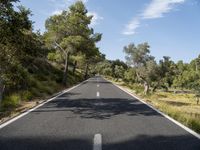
x: 46, y: 88
x: 27, y: 95
x: 194, y: 124
x: 11, y: 101
x: 138, y: 88
x: 35, y: 92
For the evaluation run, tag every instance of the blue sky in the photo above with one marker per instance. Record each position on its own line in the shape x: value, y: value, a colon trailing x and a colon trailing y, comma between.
x: 171, y: 27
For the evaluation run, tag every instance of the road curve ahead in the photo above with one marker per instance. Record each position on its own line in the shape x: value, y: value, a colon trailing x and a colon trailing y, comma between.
x: 96, y: 112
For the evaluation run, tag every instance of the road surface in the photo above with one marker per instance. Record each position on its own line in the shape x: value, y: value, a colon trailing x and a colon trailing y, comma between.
x: 95, y: 115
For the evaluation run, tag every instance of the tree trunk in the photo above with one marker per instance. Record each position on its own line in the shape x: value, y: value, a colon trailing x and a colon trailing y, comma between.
x: 197, y: 100
x: 68, y: 55
x: 74, y: 69
x: 65, y: 72
x: 86, y: 72
x: 146, y: 88
x: 154, y: 88
x: 146, y: 85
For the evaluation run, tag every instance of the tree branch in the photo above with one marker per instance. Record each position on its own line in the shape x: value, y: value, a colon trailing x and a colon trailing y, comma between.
x: 66, y: 53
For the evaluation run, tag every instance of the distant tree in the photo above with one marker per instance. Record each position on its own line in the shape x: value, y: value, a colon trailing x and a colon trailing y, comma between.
x: 119, y: 72
x: 104, y: 68
x: 139, y: 57
x: 119, y: 63
x: 167, y: 71
x: 130, y: 75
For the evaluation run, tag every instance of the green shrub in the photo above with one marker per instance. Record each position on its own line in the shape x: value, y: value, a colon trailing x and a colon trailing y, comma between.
x: 35, y: 92
x: 11, y: 101
x: 138, y: 88
x: 27, y: 95
x: 194, y: 124
x: 47, y: 89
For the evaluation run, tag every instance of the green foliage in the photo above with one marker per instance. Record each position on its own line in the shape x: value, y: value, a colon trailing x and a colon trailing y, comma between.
x: 130, y: 75
x: 145, y: 65
x: 119, y: 72
x: 165, y: 74
x: 26, y: 95
x: 71, y: 34
x: 137, y: 55
x: 104, y: 68
x: 194, y: 124
x: 11, y: 101
x: 31, y: 65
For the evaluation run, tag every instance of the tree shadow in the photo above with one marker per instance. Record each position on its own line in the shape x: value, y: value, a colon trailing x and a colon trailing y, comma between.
x: 96, y: 82
x: 101, y: 108
x: 67, y: 95
x: 177, y: 103
x: 158, y: 142
x: 44, y: 143
x: 139, y: 142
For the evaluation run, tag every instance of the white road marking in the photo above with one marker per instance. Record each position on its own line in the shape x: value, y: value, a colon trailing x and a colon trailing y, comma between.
x: 98, y: 94
x: 97, y: 142
x: 97, y: 85
x: 158, y: 111
x: 30, y: 110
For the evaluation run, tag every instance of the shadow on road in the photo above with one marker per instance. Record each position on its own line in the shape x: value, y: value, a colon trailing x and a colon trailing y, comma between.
x: 144, y: 142
x: 44, y: 143
x: 140, y: 142
x: 95, y: 82
x: 98, y: 108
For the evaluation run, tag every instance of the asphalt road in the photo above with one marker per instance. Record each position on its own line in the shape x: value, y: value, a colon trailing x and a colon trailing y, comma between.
x: 71, y: 121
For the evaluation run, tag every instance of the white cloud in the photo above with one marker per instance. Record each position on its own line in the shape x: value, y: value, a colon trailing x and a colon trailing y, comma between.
x: 156, y: 9
x: 57, y: 12
x: 96, y: 18
x: 131, y: 27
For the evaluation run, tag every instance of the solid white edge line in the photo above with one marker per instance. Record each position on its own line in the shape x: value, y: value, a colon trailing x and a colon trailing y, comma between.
x: 158, y: 111
x: 97, y: 142
x: 32, y: 109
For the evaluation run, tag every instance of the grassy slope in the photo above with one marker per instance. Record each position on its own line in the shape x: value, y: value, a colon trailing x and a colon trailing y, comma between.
x: 43, y: 83
x: 182, y: 107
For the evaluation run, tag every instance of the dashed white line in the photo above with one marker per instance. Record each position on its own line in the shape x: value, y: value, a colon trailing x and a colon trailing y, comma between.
x: 97, y: 85
x: 98, y: 94
x: 97, y: 142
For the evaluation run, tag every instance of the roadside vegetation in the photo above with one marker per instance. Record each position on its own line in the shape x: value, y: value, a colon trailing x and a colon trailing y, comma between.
x: 35, y: 65
x: 172, y: 87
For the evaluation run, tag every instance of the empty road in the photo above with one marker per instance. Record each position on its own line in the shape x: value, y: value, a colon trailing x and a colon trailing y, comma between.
x: 93, y: 116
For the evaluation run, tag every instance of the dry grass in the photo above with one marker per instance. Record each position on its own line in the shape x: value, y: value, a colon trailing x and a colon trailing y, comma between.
x: 23, y: 107
x: 182, y: 107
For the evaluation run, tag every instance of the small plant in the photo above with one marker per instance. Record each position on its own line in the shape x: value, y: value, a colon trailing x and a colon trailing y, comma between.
x: 27, y: 95
x: 11, y: 101
x: 35, y: 92
x: 194, y: 124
